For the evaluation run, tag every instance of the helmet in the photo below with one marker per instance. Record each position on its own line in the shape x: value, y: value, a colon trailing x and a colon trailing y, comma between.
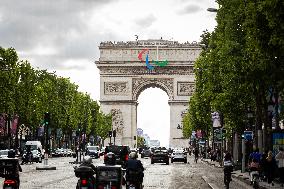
x: 11, y: 154
x: 109, y: 158
x: 87, y: 159
x: 133, y: 155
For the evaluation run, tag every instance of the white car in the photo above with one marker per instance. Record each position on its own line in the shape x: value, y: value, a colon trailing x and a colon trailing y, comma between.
x: 179, y: 156
x: 4, y: 153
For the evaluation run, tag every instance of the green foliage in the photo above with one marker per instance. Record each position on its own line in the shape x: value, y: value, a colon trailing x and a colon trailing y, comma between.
x: 140, y: 142
x: 241, y: 59
x: 30, y: 93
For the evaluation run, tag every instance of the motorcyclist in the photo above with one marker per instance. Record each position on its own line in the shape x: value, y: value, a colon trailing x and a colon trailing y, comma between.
x: 17, y: 168
x: 109, y: 158
x: 133, y: 164
x: 28, y: 156
x: 87, y: 162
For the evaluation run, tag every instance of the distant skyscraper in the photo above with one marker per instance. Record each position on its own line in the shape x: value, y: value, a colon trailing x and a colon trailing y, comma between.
x: 147, y: 139
x: 139, y: 132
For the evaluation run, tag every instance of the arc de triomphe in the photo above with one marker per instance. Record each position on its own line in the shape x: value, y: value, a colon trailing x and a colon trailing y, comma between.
x: 124, y: 75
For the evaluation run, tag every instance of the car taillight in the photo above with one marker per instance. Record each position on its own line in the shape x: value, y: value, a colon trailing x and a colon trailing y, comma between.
x: 105, y: 156
x: 126, y: 157
x: 113, y: 187
x: 84, y: 182
x: 10, y: 182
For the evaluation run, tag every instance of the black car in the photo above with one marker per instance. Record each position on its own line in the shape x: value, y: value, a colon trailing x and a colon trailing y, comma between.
x: 160, y: 156
x: 146, y: 153
x: 121, y: 153
x: 93, y: 151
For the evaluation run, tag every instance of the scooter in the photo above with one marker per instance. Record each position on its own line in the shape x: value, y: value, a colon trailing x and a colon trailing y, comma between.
x: 132, y: 180
x: 109, y: 176
x: 7, y: 168
x: 255, y: 179
x: 86, y: 179
x: 27, y: 158
x: 10, y: 184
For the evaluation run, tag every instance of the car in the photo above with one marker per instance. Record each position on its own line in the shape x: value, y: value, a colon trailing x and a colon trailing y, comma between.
x: 160, y: 156
x: 4, y: 153
x: 121, y: 153
x: 37, y: 157
x: 179, y: 156
x: 146, y: 153
x: 57, y: 153
x: 93, y: 151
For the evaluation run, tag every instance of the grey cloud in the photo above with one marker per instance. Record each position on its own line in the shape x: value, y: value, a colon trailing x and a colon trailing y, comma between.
x: 25, y: 25
x: 190, y: 9
x: 147, y: 21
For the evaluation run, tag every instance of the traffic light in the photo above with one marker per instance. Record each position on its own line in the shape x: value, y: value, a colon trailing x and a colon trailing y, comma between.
x: 46, y: 118
x: 114, y: 133
x: 110, y: 133
x: 134, y: 137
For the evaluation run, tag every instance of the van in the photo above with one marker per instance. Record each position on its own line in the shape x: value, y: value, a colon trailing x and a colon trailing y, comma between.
x: 34, y: 145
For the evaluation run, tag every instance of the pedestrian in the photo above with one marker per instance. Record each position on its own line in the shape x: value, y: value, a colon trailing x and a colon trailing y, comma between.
x: 270, y: 168
x: 262, y: 168
x: 280, y: 158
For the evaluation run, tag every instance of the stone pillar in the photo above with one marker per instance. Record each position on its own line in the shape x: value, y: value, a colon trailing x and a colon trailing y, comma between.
x: 176, y: 136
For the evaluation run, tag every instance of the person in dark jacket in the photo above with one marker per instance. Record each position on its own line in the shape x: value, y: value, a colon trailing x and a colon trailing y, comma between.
x: 270, y: 168
x: 134, y: 164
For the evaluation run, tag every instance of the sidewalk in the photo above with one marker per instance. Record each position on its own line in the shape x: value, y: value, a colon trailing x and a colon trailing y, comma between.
x: 244, y: 177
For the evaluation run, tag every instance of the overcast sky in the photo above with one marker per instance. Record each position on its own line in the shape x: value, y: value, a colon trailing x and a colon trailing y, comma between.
x: 64, y: 35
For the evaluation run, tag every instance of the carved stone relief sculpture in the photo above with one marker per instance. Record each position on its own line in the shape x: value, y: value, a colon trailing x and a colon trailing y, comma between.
x: 185, y: 88
x: 114, y: 88
x: 117, y: 121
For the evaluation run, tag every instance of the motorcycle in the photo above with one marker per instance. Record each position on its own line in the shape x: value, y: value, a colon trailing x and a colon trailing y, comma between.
x: 109, y: 177
x: 86, y: 179
x: 132, y: 179
x: 27, y: 158
x: 255, y: 179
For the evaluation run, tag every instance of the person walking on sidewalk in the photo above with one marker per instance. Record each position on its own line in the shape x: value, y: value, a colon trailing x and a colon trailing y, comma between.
x: 196, y: 154
x: 270, y: 168
x: 280, y: 158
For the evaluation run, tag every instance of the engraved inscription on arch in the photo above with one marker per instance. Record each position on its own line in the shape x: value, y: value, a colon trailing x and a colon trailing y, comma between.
x: 114, y: 88
x: 185, y: 88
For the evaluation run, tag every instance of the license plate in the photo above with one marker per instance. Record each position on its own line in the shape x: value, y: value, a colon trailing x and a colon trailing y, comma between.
x: 84, y: 187
x: 131, y: 187
x: 8, y: 187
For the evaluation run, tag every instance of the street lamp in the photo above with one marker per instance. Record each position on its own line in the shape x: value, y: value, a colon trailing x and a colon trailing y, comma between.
x: 212, y: 10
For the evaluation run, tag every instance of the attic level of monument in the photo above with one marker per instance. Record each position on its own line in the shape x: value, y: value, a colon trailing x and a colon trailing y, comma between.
x: 149, y: 43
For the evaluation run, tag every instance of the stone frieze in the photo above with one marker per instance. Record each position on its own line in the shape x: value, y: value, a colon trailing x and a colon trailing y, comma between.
x: 185, y: 88
x: 142, y: 70
x: 114, y: 88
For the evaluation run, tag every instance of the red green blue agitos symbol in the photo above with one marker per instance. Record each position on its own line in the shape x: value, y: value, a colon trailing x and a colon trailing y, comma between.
x: 150, y: 65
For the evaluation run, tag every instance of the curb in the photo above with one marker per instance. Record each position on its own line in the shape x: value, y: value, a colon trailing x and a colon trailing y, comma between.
x: 211, y: 185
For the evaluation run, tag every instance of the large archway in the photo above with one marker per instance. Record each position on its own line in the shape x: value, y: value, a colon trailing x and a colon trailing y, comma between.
x: 123, y: 76
x: 153, y: 115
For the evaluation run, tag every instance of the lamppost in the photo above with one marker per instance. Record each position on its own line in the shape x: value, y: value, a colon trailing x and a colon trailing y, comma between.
x: 270, y: 109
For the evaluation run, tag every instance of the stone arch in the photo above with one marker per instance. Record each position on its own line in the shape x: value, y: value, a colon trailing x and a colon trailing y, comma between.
x: 140, y: 84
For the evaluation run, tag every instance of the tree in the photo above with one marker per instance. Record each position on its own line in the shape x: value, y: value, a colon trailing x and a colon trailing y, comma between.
x: 140, y: 142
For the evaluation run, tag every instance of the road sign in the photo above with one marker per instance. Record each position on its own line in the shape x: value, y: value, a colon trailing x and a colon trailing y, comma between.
x: 248, y: 135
